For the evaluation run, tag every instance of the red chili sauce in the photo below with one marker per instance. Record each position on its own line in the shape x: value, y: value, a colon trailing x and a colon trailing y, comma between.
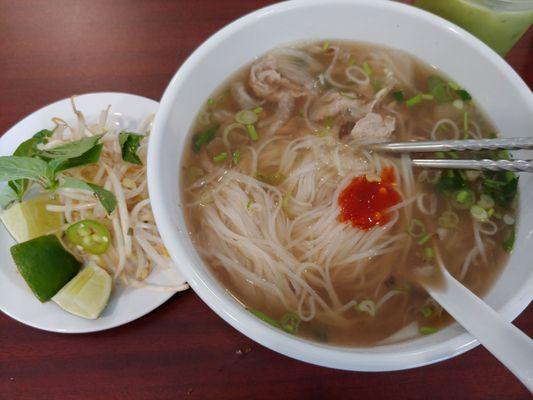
x: 365, y: 203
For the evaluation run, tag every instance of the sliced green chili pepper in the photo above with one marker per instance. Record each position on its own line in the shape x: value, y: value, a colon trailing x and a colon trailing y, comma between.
x: 91, y: 235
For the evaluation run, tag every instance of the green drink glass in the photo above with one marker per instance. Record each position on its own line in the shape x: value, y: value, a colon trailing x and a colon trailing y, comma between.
x: 499, y: 23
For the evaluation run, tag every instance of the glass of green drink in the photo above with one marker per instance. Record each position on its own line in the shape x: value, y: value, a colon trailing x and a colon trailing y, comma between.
x: 499, y: 23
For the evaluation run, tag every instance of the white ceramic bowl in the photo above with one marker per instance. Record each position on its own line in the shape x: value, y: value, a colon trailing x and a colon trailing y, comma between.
x: 493, y: 84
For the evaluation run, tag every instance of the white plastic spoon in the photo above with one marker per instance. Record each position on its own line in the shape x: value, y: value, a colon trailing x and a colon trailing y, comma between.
x: 506, y: 342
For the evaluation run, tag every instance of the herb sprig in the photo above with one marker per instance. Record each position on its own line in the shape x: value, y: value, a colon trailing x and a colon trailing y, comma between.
x: 30, y: 164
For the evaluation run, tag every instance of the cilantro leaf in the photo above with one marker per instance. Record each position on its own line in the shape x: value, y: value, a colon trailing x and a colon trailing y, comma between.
x: 502, y: 186
x: 451, y: 180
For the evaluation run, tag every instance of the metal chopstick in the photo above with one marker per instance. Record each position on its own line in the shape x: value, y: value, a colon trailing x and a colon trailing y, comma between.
x: 492, y: 165
x: 521, y: 143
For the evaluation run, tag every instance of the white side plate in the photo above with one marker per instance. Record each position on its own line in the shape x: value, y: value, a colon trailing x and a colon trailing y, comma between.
x: 16, y: 299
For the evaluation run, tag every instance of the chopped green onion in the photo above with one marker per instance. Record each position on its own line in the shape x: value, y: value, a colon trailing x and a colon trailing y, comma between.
x: 236, y: 156
x: 325, y: 46
x: 246, y: 117
x: 328, y: 122
x: 352, y: 61
x: 367, y: 68
x: 440, y: 89
x: 427, y: 330
x: 428, y: 252
x: 202, y: 138
x: 465, y: 121
x: 398, y: 96
x: 490, y: 212
x: 454, y: 155
x: 285, y: 202
x: 272, y: 179
x: 290, y: 323
x: 249, y: 204
x: 252, y: 132
x: 257, y: 110
x: 479, y: 213
x: 454, y: 85
x: 414, y: 100
x: 301, y: 111
x: 416, y: 228
x: 220, y: 157
x: 508, y: 243
x: 463, y: 199
x: 503, y: 154
x: 194, y: 173
x: 424, y: 238
x: 463, y: 94
x: 350, y: 96
x: 211, y: 101
x: 486, y: 201
x: 449, y: 220
x: 508, y: 219
x: 426, y: 311
x: 264, y: 317
x: 367, y: 306
x: 427, y: 96
x: 458, y: 103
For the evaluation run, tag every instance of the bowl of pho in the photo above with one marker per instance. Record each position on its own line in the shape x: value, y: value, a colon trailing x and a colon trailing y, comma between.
x: 284, y: 222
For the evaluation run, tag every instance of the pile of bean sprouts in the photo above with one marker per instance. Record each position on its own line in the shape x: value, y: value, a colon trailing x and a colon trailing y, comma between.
x: 137, y: 250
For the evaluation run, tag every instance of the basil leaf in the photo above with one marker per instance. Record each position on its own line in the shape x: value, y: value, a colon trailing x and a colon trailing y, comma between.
x: 201, y: 139
x: 107, y: 198
x: 90, y: 157
x: 72, y: 149
x: 15, y: 167
x: 129, y: 144
x: 28, y: 148
x: 7, y: 196
x: 439, y: 88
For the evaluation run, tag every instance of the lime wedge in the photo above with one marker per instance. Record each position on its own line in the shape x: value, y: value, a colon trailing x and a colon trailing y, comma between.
x: 87, y: 294
x: 31, y: 219
x: 45, y: 265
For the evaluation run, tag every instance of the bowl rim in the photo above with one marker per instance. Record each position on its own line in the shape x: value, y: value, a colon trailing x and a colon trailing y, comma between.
x: 355, y: 359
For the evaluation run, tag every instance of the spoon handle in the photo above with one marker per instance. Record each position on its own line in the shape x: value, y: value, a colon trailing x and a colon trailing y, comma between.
x: 506, y: 342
